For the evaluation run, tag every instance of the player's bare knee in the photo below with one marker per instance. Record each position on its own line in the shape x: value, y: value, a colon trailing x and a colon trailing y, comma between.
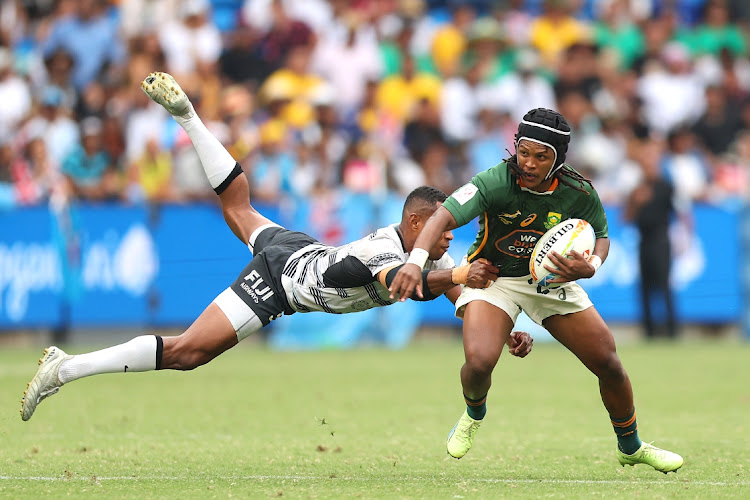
x: 192, y: 360
x: 608, y: 367
x: 480, y: 365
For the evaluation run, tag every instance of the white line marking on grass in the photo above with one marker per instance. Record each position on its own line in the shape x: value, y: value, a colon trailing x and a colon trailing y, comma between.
x: 685, y: 482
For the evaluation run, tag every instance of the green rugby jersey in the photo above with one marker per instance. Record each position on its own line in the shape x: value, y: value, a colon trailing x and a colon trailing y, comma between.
x: 512, y: 218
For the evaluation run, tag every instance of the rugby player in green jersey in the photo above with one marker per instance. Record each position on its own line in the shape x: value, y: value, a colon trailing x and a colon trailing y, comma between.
x: 516, y: 202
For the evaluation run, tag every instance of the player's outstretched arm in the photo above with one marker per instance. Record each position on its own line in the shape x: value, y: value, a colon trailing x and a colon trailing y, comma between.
x: 479, y: 274
x: 408, y: 279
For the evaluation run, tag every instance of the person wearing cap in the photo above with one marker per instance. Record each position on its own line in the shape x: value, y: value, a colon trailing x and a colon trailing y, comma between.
x: 517, y: 201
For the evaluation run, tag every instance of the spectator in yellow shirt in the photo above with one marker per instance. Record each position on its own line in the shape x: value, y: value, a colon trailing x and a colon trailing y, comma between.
x: 398, y: 95
x: 556, y: 30
x: 295, y: 85
x: 150, y: 176
x: 449, y: 42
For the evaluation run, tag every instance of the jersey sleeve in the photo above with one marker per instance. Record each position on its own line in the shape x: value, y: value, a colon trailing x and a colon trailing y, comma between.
x: 472, y: 199
x: 378, y: 253
x: 594, y: 213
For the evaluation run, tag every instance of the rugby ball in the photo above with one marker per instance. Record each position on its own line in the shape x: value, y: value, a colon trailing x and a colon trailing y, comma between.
x: 568, y: 235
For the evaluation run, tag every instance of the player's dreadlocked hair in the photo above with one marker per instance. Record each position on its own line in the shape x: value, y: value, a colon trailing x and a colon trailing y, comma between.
x: 425, y: 196
x: 549, y: 128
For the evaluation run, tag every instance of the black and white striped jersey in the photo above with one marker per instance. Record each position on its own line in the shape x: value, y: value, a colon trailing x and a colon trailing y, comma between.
x: 342, y: 279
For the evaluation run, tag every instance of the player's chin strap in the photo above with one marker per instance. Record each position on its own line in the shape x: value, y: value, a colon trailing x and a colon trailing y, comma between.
x: 554, y: 170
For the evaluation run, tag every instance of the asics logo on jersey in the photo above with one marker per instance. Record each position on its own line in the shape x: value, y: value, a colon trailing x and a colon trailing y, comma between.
x: 528, y: 220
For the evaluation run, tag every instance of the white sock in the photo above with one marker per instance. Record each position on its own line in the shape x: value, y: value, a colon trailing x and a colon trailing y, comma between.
x: 216, y: 160
x: 137, y: 355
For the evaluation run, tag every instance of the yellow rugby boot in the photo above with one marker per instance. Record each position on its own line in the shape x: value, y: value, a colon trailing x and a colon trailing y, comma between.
x: 661, y: 460
x: 461, y: 436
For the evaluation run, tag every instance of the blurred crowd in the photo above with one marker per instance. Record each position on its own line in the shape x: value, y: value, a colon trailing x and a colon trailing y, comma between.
x: 369, y: 96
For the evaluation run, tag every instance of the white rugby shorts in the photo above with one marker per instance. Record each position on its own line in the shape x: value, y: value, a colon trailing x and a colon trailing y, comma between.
x: 513, y: 295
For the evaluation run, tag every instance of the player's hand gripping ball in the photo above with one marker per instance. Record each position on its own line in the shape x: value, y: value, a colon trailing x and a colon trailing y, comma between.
x: 568, y: 235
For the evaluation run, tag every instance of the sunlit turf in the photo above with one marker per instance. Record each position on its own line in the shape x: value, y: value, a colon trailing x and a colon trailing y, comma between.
x: 372, y: 423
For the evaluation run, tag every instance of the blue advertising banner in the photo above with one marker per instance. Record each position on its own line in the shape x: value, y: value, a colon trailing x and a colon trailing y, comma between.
x: 705, y: 260
x: 31, y: 277
x: 117, y: 266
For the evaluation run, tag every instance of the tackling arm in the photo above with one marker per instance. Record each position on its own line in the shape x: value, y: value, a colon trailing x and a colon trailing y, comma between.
x: 434, y: 283
x: 479, y: 274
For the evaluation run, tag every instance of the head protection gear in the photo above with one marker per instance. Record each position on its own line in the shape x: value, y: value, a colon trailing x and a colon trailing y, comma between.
x: 549, y: 128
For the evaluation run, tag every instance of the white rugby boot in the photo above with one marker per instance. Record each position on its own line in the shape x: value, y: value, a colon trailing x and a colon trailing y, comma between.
x: 46, y: 381
x: 164, y: 90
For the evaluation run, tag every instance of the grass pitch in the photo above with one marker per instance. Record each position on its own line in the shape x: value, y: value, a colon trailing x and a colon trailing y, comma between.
x: 372, y: 423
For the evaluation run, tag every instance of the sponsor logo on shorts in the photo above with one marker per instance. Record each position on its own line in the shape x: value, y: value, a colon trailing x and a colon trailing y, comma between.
x: 257, y: 289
